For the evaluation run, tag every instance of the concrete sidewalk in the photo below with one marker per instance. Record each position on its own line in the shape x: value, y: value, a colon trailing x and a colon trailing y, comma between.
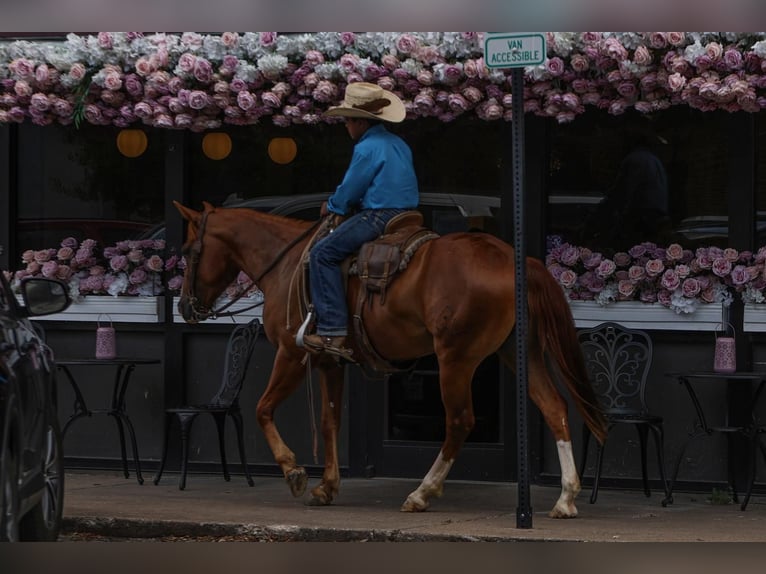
x: 107, y: 504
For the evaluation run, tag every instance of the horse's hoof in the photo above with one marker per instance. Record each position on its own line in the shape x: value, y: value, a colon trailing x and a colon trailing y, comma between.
x: 319, y: 497
x: 413, y: 504
x: 318, y: 501
x: 297, y: 479
x: 560, y: 511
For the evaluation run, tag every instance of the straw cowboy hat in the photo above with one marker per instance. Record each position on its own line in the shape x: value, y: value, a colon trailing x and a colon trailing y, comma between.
x: 363, y: 100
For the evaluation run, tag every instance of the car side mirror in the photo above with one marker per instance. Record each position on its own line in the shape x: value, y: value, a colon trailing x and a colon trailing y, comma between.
x: 43, y: 296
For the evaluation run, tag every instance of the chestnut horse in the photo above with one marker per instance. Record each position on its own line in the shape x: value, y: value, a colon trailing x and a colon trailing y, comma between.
x: 454, y: 300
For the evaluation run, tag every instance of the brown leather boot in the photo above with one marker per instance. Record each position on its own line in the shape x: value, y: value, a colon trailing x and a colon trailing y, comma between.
x: 325, y: 344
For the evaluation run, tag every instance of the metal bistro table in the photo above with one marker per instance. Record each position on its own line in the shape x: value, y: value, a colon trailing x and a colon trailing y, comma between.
x: 745, y: 428
x: 125, y: 367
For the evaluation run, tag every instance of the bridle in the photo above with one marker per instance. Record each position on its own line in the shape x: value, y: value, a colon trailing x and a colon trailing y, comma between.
x: 201, y: 312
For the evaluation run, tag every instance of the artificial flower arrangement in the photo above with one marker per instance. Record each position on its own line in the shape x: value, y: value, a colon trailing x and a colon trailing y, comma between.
x: 201, y: 81
x: 672, y: 276
x: 144, y: 267
x: 133, y: 267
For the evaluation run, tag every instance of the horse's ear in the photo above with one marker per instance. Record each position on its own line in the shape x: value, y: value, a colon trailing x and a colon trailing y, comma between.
x: 187, y: 213
x: 208, y: 206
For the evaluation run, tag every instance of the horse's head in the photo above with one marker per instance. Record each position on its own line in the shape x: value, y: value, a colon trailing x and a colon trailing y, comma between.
x: 209, y: 266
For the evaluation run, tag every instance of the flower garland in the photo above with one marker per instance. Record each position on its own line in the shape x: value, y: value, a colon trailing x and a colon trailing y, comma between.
x: 200, y: 82
x: 675, y: 277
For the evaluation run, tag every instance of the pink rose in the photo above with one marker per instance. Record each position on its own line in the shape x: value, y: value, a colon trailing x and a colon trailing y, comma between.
x: 657, y: 40
x: 138, y: 276
x: 721, y: 266
x: 690, y: 287
x: 458, y: 103
x: 144, y: 67
x: 406, y: 44
x: 739, y: 275
x: 676, y: 82
x: 654, y: 267
x: 606, y: 268
x: 390, y: 62
x: 676, y: 38
x: 472, y: 94
x: 731, y: 254
x: 626, y: 288
x: 154, y: 263
x: 77, y: 71
x: 203, y: 71
x: 674, y: 252
x: 555, y: 66
x: 268, y: 38
x: 197, y: 100
x: 568, y: 278
x: 65, y: 253
x: 714, y: 51
x: 579, y: 63
x: 175, y: 282
x: 670, y: 280
x: 118, y: 263
x: 186, y: 62
x: 246, y: 100
x: 708, y: 295
x: 230, y: 39
x: 642, y: 56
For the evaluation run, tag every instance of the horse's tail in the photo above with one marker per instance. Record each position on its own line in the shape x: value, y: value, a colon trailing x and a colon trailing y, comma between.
x: 557, y: 336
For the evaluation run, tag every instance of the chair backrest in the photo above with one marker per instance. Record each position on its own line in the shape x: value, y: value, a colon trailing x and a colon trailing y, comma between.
x: 618, y: 361
x: 239, y: 350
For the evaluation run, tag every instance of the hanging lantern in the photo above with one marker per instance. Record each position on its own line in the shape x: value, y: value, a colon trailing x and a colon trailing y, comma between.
x: 132, y: 142
x: 216, y: 145
x: 282, y: 150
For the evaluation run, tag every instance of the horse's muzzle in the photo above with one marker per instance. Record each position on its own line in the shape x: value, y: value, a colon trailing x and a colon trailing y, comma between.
x: 187, y: 311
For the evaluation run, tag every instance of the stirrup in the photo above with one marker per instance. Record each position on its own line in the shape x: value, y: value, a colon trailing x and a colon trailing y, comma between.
x: 303, y: 328
x: 338, y: 352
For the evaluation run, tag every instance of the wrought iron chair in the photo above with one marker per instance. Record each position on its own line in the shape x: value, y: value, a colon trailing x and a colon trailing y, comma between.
x: 618, y: 361
x: 225, y: 403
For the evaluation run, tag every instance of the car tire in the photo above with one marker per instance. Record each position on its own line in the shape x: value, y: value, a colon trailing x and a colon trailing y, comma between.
x: 43, y: 522
x: 9, y: 474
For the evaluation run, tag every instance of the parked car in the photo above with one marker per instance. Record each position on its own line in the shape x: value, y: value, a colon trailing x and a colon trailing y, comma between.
x: 31, y: 458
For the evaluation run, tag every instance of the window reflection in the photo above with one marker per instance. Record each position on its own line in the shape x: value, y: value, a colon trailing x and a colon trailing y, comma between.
x: 584, y: 166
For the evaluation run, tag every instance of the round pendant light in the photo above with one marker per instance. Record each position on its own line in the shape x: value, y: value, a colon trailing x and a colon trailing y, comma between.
x: 216, y: 145
x: 132, y: 142
x: 282, y: 150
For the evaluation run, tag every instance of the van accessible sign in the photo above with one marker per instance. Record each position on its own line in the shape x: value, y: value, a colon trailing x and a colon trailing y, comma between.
x: 503, y: 50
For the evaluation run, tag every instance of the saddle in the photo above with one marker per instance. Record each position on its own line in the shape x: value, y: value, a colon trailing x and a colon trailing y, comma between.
x: 376, y: 264
x: 380, y: 260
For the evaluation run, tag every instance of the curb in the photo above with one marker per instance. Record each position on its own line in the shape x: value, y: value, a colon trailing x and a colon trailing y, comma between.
x: 172, y: 530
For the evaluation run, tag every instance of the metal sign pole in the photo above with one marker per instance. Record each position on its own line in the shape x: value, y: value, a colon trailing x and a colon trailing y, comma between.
x: 524, y: 508
x: 515, y: 51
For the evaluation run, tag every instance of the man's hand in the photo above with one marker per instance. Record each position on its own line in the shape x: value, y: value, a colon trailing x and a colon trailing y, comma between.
x: 323, y: 211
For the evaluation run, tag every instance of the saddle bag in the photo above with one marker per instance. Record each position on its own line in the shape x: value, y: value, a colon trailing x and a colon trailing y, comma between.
x: 378, y: 263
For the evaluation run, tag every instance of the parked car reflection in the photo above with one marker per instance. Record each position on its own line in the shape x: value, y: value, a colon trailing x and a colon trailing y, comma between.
x: 442, y: 212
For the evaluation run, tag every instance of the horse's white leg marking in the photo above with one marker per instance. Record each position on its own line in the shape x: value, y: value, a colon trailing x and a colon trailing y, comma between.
x: 432, y: 485
x: 570, y: 483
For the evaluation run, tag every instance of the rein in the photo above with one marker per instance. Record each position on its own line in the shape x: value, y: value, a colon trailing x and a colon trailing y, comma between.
x: 201, y: 312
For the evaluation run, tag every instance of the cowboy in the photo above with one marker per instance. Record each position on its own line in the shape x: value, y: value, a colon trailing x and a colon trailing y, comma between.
x: 379, y: 184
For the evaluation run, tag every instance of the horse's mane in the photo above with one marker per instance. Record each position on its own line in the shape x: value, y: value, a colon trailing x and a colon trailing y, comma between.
x: 269, y: 217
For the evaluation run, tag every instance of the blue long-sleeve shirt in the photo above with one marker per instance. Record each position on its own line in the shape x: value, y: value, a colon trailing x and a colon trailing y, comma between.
x: 381, y: 175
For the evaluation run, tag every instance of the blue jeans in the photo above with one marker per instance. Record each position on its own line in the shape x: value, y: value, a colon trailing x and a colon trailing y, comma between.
x: 326, y: 280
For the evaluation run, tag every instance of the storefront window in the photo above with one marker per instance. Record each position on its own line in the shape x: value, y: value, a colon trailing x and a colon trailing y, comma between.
x: 76, y: 183
x: 584, y: 171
